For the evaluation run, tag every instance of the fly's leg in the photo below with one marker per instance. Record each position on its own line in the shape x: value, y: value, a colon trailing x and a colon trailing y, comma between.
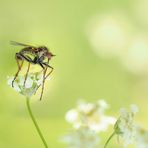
x: 44, y: 78
x: 49, y: 72
x: 44, y: 73
x: 27, y: 73
x: 18, y: 58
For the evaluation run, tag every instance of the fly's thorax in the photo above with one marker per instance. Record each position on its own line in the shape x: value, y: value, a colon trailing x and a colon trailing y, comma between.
x: 42, y: 51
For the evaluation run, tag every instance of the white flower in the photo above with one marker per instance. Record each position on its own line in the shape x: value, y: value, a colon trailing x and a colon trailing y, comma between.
x: 90, y: 115
x: 33, y: 81
x: 141, y: 138
x: 82, y: 138
x: 109, y: 34
x: 125, y: 125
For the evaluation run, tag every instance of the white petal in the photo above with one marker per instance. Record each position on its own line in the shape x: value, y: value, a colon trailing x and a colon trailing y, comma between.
x: 72, y: 116
x: 10, y: 79
x: 16, y: 87
x: 134, y: 108
x: 103, y: 104
x: 86, y: 107
x: 29, y: 82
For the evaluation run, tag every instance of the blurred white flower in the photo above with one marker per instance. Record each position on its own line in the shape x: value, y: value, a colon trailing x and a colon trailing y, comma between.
x: 125, y: 125
x: 82, y: 138
x: 109, y: 34
x: 135, y: 57
x: 140, y: 10
x: 114, y: 35
x: 141, y: 138
x: 90, y: 115
x: 33, y: 81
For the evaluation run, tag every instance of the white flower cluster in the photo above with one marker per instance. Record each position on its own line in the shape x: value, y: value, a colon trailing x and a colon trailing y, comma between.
x: 82, y: 138
x: 33, y: 81
x: 88, y: 119
x: 125, y: 125
x: 90, y: 115
x: 129, y: 130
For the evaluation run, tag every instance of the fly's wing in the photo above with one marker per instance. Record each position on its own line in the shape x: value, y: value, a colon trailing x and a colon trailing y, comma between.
x: 20, y: 44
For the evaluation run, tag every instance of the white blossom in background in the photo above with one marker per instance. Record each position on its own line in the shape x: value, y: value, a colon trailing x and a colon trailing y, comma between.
x: 141, y: 138
x: 33, y: 81
x: 82, y: 138
x: 89, y: 119
x: 126, y: 126
x: 135, y: 57
x: 140, y: 12
x: 115, y: 35
x: 91, y: 115
x: 129, y: 130
x: 109, y: 34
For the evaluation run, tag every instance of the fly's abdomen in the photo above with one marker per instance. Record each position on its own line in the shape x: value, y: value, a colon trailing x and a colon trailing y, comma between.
x: 29, y: 51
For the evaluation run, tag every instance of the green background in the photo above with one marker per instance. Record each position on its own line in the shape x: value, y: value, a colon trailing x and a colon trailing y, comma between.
x: 79, y: 71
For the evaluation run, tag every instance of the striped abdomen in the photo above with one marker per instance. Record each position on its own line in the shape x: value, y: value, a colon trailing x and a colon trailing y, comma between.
x: 29, y: 50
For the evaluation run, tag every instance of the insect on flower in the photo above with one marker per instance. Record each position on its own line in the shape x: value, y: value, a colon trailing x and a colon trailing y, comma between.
x: 33, y: 55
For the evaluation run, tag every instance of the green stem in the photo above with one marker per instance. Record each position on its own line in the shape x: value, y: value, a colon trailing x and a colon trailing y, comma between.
x: 35, y: 123
x: 111, y: 136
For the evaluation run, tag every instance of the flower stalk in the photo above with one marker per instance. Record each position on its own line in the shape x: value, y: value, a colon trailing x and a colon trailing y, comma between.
x: 35, y: 123
x: 107, y: 142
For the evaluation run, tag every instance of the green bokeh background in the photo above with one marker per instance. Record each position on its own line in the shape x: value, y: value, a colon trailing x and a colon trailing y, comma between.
x: 79, y: 71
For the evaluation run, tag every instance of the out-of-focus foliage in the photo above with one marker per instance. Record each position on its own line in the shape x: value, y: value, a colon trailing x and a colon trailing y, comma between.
x: 101, y: 51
